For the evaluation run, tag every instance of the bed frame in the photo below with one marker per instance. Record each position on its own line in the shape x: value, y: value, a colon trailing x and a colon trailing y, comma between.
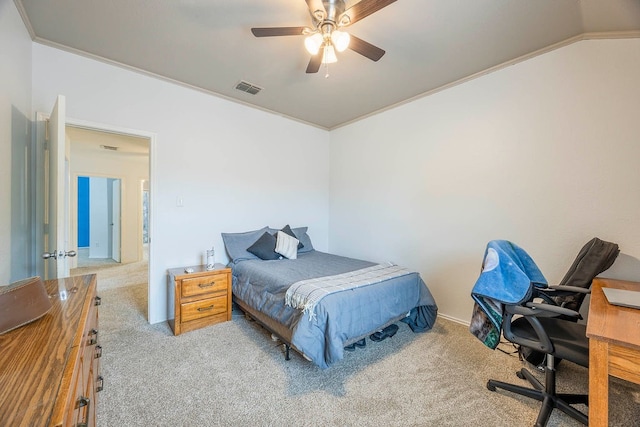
x: 284, y: 334
x: 277, y: 329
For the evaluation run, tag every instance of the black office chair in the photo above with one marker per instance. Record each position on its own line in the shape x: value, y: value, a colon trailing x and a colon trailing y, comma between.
x: 538, y: 327
x: 595, y: 257
x: 513, y: 299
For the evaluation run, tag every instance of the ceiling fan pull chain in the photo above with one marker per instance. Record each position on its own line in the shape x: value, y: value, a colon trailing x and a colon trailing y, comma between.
x: 326, y: 70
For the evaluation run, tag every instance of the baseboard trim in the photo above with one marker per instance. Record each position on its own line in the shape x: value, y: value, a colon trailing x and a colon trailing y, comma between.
x: 454, y: 319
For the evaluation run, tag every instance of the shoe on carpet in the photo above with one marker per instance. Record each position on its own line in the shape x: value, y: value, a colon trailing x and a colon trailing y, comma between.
x: 387, y: 332
x: 360, y: 343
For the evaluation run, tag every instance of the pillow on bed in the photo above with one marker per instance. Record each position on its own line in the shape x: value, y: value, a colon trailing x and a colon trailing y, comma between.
x: 286, y: 245
x: 265, y: 247
x: 237, y: 243
x: 300, y: 233
x: 289, y: 231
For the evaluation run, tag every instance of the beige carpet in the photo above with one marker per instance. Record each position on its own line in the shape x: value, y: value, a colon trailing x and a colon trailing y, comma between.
x: 233, y: 374
x: 117, y: 275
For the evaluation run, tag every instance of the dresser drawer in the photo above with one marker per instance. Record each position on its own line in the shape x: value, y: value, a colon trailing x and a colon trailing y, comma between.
x: 204, y: 308
x: 204, y: 285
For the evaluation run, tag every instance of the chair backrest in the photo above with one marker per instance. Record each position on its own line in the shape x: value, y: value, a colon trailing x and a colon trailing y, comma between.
x: 595, y: 257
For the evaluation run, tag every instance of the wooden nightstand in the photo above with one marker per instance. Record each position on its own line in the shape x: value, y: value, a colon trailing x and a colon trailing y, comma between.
x: 200, y: 298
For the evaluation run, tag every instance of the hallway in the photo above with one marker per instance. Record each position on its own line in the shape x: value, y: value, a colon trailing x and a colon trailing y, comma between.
x: 111, y: 274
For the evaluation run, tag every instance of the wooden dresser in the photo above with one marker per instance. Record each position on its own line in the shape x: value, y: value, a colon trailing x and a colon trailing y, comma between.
x: 49, y: 368
x: 199, y: 298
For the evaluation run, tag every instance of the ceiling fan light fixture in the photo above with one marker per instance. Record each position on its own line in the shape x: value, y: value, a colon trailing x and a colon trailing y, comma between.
x: 329, y: 55
x: 340, y: 40
x: 313, y: 43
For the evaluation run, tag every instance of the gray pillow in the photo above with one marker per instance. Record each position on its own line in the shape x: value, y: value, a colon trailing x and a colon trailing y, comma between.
x: 301, y: 234
x: 236, y: 244
x: 265, y: 247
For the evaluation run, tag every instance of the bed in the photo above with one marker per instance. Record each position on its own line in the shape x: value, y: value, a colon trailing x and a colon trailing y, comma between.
x: 263, y: 284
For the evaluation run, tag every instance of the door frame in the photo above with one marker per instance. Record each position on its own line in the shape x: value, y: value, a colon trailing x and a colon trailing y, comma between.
x: 116, y: 220
x: 101, y: 127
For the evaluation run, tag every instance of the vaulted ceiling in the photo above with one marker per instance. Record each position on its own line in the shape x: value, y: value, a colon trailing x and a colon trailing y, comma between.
x: 429, y: 44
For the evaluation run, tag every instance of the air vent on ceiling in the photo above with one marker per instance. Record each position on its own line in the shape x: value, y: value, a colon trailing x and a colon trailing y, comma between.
x: 248, y: 87
x: 109, y: 147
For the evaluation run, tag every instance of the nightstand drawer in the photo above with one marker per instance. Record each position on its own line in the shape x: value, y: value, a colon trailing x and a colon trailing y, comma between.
x: 204, y: 308
x: 204, y: 285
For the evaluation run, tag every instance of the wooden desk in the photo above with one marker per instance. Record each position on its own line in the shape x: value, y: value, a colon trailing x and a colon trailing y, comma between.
x: 614, y: 346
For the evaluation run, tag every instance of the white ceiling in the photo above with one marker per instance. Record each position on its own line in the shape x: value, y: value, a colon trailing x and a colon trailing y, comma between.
x: 94, y: 140
x: 429, y: 44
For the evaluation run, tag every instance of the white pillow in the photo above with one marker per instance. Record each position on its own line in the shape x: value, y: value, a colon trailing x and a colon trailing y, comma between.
x: 286, y: 245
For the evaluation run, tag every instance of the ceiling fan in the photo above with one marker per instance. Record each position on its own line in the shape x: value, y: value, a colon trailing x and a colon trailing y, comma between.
x: 325, y: 35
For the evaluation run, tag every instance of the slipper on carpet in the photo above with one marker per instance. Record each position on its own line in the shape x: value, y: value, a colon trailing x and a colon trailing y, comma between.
x: 361, y: 343
x: 387, y: 332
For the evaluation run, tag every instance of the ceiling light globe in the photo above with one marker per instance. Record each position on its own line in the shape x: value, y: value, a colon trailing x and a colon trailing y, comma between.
x: 340, y: 40
x: 313, y: 43
x: 329, y: 55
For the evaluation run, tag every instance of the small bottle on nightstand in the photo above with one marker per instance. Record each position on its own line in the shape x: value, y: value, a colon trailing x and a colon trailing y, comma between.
x: 211, y: 258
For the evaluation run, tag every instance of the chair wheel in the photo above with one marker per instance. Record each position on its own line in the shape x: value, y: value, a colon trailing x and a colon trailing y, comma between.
x: 490, y: 387
x: 520, y: 375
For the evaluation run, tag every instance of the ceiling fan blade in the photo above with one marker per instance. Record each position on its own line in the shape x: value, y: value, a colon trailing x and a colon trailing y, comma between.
x: 314, y: 62
x: 278, y: 31
x: 365, y: 49
x: 361, y: 10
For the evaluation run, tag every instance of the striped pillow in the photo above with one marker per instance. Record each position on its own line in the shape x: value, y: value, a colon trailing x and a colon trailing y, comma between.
x: 286, y: 245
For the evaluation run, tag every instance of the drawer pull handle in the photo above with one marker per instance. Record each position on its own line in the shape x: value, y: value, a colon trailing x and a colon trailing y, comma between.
x: 84, y: 401
x: 206, y: 285
x: 205, y: 308
x: 98, y: 301
x: 100, y: 386
x: 93, y: 333
x: 98, y: 351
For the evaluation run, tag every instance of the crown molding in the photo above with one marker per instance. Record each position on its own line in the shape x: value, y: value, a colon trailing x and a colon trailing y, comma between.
x: 137, y: 70
x: 530, y: 55
x: 633, y: 34
x: 25, y: 19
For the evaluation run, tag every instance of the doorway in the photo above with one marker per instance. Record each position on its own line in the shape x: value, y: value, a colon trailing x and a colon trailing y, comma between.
x: 109, y: 205
x: 98, y: 221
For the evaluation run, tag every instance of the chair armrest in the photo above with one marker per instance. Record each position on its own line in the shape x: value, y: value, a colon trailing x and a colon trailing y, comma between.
x: 530, y: 314
x: 547, y: 294
x: 553, y: 310
x: 570, y: 289
x: 533, y: 309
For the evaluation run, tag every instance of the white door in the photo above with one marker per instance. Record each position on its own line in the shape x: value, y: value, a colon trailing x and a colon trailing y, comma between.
x: 57, y: 201
x: 115, y: 222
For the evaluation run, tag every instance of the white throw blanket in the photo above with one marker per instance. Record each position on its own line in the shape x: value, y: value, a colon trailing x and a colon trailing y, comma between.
x: 305, y: 294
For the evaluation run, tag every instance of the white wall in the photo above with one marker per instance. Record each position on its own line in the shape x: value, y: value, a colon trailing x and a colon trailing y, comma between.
x: 236, y: 168
x: 545, y: 153
x: 15, y: 144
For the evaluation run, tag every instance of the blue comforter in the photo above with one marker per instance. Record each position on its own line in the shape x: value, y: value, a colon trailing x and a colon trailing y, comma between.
x: 340, y: 317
